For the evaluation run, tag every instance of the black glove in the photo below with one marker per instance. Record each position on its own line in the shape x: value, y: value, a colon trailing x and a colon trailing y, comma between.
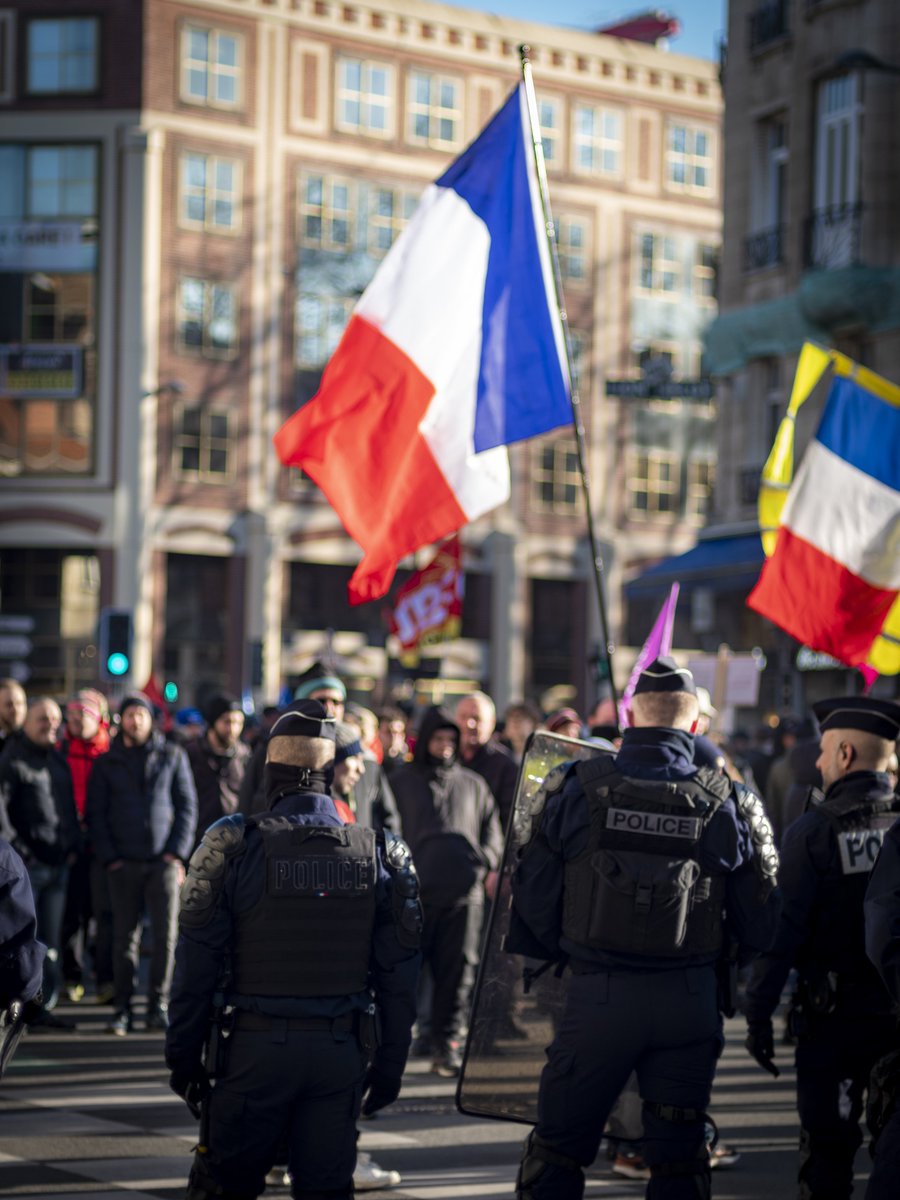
x: 192, y: 1085
x: 379, y: 1090
x: 760, y: 1045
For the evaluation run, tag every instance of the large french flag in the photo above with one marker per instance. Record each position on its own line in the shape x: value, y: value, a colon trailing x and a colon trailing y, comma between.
x: 454, y: 351
x: 835, y: 571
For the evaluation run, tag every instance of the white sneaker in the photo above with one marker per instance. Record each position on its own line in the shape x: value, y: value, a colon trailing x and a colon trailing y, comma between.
x: 368, y: 1176
x: 278, y: 1177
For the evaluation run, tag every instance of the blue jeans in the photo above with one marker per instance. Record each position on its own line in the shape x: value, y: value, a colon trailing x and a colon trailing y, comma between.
x: 49, y: 885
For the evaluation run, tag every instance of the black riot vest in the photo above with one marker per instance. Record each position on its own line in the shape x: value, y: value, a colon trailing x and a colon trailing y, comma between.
x: 837, y: 937
x: 311, y: 932
x: 637, y: 888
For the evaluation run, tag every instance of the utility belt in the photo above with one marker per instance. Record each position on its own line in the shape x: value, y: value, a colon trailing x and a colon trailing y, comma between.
x: 831, y: 993
x: 361, y: 1023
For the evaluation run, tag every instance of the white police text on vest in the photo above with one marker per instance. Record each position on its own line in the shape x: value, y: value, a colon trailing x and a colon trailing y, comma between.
x: 627, y: 820
x: 859, y: 849
x: 318, y: 874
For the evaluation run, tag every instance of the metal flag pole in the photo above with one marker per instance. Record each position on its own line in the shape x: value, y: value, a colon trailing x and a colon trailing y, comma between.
x: 577, y: 420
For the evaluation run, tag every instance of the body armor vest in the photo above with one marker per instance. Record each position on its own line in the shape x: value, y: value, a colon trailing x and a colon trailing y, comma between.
x: 837, y: 938
x: 311, y: 932
x: 637, y: 888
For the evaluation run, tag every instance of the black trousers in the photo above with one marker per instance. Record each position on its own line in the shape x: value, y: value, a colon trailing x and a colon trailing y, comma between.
x: 450, y: 942
x: 665, y: 1025
x: 305, y: 1084
x: 834, y: 1060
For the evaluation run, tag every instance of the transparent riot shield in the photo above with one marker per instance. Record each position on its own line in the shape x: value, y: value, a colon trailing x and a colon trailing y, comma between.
x: 509, y: 1029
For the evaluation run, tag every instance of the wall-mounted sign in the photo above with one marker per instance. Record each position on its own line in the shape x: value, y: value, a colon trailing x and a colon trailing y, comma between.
x: 48, y: 245
x: 656, y: 383
x: 41, y: 370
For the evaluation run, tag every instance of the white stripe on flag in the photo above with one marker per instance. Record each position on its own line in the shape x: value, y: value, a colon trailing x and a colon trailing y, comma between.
x: 846, y: 514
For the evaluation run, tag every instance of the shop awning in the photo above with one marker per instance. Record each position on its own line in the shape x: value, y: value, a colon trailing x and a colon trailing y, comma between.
x: 723, y: 564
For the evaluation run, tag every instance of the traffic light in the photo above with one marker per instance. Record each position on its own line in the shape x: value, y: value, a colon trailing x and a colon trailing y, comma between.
x: 170, y: 692
x: 114, y: 640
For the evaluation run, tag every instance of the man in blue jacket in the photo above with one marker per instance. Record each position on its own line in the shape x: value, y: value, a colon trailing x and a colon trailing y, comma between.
x: 304, y: 932
x: 142, y: 817
x: 636, y: 864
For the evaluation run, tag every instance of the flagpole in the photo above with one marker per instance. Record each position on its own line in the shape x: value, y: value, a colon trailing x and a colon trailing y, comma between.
x: 577, y: 420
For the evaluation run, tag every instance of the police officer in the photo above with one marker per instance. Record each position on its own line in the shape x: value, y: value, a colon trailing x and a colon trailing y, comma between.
x: 882, y: 914
x: 309, y: 931
x: 21, y: 954
x: 626, y: 878
x: 841, y: 1011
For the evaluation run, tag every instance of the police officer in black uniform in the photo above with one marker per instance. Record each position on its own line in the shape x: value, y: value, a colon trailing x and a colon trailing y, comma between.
x: 882, y: 913
x: 841, y: 1012
x: 634, y: 860
x: 303, y: 933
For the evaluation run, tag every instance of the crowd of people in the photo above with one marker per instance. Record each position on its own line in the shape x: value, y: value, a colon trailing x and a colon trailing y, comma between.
x: 106, y: 809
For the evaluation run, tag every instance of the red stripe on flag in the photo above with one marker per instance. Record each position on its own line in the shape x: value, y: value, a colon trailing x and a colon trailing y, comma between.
x: 818, y: 601
x: 358, y: 439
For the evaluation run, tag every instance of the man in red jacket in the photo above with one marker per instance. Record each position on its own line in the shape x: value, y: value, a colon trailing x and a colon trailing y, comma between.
x: 84, y: 738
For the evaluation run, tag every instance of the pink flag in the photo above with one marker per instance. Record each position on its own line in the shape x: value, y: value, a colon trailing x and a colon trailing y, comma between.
x: 659, y: 642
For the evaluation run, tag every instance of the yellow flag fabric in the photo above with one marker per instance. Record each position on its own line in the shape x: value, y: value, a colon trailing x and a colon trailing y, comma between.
x: 778, y: 473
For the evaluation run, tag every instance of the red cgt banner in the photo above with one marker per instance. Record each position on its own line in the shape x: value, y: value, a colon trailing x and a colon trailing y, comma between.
x: 428, y: 607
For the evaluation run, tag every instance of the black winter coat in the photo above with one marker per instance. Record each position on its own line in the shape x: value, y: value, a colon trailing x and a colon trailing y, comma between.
x: 39, y: 803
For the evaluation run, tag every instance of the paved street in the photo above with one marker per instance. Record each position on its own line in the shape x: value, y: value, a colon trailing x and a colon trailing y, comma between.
x: 88, y: 1114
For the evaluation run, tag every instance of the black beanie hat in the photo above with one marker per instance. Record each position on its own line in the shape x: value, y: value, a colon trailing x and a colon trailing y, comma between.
x: 218, y: 705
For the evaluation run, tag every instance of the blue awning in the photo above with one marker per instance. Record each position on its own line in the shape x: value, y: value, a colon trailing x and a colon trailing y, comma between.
x: 723, y: 564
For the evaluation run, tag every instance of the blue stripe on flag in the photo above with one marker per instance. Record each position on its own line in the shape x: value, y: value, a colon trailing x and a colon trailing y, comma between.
x: 862, y: 430
x: 522, y: 389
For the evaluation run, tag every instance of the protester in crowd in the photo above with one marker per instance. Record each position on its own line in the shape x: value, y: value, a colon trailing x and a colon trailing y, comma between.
x: 303, y: 1047
x: 37, y: 797
x: 85, y: 737
x: 781, y: 775
x: 142, y: 817
x: 450, y: 820
x: 806, y: 783
x: 372, y: 795
x: 368, y: 729
x: 218, y: 760
x: 21, y: 954
x: 476, y: 718
x: 841, y: 1013
x: 189, y: 725
x: 392, y: 735
x: 566, y: 722
x: 519, y: 723
x: 13, y: 706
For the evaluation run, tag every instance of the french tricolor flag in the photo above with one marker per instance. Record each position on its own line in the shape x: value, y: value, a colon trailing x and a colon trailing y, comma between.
x: 454, y: 351
x: 835, y: 571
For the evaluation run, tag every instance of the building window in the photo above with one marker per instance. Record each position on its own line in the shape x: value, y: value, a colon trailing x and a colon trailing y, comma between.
x: 700, y: 479
x: 572, y: 248
x: 555, y: 478
x: 435, y: 114
x: 318, y: 324
x: 211, y: 67
x: 653, y: 484
x: 326, y: 212
x: 597, y: 140
x: 579, y: 345
x: 48, y: 318
x: 365, y: 94
x: 706, y: 266
x: 658, y: 266
x: 389, y: 212
x: 549, y: 117
x: 60, y: 181
x: 207, y: 318
x: 689, y: 159
x: 203, y: 444
x: 62, y: 56
x: 833, y: 231
x: 210, y: 192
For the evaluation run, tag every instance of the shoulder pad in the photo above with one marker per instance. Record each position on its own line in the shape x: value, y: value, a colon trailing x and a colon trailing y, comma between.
x: 765, y: 856
x: 206, y: 870
x: 405, y: 904
x: 396, y: 852
x: 555, y: 778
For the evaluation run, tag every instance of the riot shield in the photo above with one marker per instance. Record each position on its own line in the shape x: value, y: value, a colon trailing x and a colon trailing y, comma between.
x: 509, y: 1029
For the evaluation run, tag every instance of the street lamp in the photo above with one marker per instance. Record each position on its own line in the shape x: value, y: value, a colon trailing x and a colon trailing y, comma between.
x: 172, y: 387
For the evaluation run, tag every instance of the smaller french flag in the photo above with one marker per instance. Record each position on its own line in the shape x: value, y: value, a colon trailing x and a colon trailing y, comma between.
x: 834, y: 575
x: 454, y: 351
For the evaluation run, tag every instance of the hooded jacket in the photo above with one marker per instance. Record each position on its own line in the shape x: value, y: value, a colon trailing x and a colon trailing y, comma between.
x: 449, y: 818
x: 36, y: 789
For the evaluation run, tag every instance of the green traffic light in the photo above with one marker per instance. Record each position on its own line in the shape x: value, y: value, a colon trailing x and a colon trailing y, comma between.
x: 117, y: 664
x: 170, y: 692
